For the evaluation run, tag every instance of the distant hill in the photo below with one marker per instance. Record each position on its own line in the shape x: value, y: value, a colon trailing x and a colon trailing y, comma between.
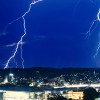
x: 45, y: 72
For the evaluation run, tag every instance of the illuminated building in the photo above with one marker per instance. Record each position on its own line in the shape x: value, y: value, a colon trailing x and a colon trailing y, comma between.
x: 77, y: 95
x: 11, y: 77
x: 32, y: 84
x: 5, y: 80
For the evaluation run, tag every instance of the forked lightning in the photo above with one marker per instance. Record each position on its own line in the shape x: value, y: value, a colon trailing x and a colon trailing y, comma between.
x: 20, y: 42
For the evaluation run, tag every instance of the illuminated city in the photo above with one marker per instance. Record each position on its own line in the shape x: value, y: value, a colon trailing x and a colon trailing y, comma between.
x: 38, y: 86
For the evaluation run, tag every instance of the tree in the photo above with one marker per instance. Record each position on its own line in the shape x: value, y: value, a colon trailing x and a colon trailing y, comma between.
x: 90, y: 94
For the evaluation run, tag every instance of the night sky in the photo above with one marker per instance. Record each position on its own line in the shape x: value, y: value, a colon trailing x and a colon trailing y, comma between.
x: 56, y: 33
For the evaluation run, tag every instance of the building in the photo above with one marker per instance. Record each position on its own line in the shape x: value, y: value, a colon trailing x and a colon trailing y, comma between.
x: 75, y: 95
x: 23, y: 93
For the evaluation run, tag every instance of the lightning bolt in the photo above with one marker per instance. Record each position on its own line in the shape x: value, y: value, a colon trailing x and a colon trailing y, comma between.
x: 98, y: 47
x: 21, y: 39
x: 22, y: 56
x: 92, y: 28
x: 97, y: 50
x: 15, y: 63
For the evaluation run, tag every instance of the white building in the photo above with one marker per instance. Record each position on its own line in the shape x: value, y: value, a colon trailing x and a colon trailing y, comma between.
x: 23, y: 93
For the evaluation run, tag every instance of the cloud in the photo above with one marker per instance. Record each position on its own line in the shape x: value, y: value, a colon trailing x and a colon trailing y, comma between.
x: 14, y: 44
x: 4, y: 32
x: 11, y: 45
x: 30, y: 39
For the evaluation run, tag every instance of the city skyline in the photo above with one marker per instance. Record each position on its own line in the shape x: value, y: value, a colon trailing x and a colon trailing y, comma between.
x: 56, y: 33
